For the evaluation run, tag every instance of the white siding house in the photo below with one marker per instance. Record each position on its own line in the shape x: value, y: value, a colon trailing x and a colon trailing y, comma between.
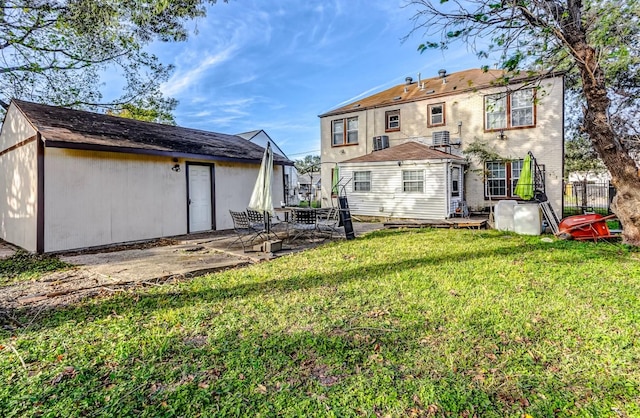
x: 407, y: 181
x: 72, y: 179
x: 454, y: 113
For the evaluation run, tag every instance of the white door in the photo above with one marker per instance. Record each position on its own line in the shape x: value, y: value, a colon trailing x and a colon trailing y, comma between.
x: 200, y: 202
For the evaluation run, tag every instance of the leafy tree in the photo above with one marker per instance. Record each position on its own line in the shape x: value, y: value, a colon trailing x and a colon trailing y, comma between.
x: 53, y: 51
x: 310, y: 163
x: 595, y: 41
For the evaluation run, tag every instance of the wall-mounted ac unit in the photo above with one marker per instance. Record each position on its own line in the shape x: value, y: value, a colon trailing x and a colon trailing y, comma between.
x: 380, y: 142
x: 440, y: 138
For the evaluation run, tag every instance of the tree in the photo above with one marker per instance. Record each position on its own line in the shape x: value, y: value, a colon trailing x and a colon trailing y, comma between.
x: 53, y: 51
x: 595, y: 41
x: 309, y: 163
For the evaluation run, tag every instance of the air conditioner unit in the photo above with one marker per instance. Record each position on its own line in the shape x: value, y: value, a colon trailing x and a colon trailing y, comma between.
x: 440, y: 138
x: 380, y: 142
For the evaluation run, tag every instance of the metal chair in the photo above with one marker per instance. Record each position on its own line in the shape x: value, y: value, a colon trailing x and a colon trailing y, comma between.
x: 328, y: 221
x: 257, y: 221
x: 303, y: 222
x: 247, y: 234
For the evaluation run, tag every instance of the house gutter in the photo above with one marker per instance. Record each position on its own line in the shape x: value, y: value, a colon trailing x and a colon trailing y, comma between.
x: 142, y: 151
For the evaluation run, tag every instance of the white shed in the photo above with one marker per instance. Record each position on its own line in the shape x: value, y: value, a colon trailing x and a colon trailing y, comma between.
x: 410, y: 180
x: 72, y: 179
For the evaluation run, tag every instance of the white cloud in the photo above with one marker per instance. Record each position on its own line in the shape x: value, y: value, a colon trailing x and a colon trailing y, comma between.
x: 183, y: 80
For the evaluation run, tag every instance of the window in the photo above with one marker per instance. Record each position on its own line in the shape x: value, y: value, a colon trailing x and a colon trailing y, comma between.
x: 344, y: 132
x: 436, y: 114
x: 413, y: 181
x: 501, y: 178
x: 362, y: 181
x: 455, y: 182
x: 392, y: 118
x: 509, y: 110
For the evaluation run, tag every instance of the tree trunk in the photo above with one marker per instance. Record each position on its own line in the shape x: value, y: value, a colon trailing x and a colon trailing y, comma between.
x: 623, y: 169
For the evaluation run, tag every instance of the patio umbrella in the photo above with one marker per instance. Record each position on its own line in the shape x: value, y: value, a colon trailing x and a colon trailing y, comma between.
x: 524, y: 187
x: 261, y: 197
x: 335, y: 180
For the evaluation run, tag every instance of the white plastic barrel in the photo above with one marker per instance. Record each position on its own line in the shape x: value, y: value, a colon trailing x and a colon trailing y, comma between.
x: 504, y: 215
x: 527, y: 219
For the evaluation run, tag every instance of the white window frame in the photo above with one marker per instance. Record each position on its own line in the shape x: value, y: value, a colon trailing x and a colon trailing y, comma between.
x: 510, y: 110
x: 506, y: 180
x: 430, y: 108
x: 344, y: 131
x: 392, y: 120
x: 361, y: 181
x: 409, y: 182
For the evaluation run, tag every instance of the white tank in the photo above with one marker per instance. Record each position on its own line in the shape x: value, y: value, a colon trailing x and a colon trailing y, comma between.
x: 504, y: 215
x: 527, y: 219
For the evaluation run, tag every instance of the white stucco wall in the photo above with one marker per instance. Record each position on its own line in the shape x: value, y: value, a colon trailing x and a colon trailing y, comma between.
x: 100, y: 198
x: 234, y: 185
x: 18, y: 182
x: 386, y: 198
x: 545, y: 140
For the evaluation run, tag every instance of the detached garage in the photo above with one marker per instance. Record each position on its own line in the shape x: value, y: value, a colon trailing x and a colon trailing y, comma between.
x: 72, y: 179
x: 410, y: 180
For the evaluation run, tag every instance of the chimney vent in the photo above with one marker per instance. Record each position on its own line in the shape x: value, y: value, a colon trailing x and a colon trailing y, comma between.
x: 442, y: 73
x: 408, y: 80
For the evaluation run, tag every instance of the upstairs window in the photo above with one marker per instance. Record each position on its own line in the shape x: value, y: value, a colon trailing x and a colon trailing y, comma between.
x: 344, y: 131
x: 362, y: 181
x: 392, y: 119
x: 413, y: 181
x: 435, y: 115
x: 509, y: 110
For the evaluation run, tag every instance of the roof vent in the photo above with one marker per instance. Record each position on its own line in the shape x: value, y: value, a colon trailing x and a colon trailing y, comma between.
x: 430, y: 91
x: 442, y: 73
x: 408, y: 80
x: 397, y: 98
x: 356, y: 105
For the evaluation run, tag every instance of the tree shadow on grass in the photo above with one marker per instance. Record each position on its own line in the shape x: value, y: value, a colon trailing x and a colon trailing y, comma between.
x: 148, y: 302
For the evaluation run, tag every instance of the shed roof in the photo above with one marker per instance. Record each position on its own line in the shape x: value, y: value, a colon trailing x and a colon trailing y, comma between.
x: 77, y: 129
x: 428, y: 88
x: 409, y: 151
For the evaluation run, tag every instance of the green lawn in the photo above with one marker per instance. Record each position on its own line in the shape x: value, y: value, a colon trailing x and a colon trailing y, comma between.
x: 23, y: 266
x: 398, y: 323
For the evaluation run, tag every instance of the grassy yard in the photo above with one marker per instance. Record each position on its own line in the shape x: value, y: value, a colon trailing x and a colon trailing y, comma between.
x: 449, y: 323
x: 24, y: 266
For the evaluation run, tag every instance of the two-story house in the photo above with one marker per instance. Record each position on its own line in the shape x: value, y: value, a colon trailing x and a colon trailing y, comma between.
x: 428, y: 147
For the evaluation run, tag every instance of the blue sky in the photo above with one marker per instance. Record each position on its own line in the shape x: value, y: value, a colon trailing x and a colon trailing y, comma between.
x: 276, y: 65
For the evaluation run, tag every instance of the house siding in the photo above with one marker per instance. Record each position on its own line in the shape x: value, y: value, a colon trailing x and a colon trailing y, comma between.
x: 97, y: 198
x: 235, y: 184
x: 100, y: 198
x: 464, y: 119
x: 386, y: 197
x: 19, y: 178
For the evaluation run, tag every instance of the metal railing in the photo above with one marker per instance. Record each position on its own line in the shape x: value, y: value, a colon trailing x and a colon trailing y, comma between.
x: 587, y: 197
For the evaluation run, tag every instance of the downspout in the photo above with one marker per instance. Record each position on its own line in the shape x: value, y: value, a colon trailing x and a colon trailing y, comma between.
x: 40, y: 195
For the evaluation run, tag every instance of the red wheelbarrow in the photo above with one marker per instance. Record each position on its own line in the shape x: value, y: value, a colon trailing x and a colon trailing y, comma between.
x: 585, y: 227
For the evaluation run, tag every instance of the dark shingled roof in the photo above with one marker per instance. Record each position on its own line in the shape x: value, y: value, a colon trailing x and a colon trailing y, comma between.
x: 409, y: 151
x: 456, y: 83
x: 77, y: 129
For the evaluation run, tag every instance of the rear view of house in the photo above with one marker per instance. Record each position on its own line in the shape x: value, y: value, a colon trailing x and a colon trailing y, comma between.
x: 72, y: 179
x: 473, y: 115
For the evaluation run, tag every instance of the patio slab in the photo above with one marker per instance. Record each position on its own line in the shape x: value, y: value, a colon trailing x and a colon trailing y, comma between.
x: 119, y: 269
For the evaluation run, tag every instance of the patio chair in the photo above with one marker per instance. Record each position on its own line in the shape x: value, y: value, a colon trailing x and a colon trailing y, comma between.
x: 245, y: 231
x: 303, y: 222
x: 328, y: 221
x: 256, y: 219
